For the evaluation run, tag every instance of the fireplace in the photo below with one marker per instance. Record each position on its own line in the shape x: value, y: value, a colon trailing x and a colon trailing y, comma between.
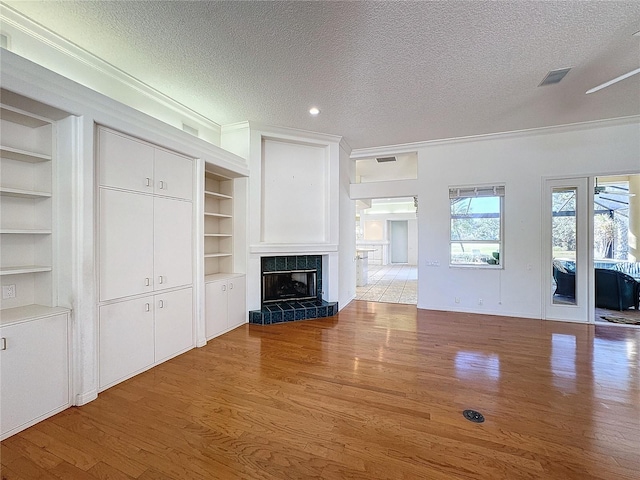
x: 292, y: 285
x: 291, y: 290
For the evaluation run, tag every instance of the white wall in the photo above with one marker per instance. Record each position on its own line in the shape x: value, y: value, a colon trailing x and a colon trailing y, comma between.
x: 521, y: 161
x: 347, y: 234
x: 295, y: 189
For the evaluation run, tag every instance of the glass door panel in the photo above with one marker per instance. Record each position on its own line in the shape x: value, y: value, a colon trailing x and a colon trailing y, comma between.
x: 564, y: 244
x: 567, y: 255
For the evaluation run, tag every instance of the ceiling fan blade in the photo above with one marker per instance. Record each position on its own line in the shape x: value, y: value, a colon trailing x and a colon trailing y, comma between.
x: 615, y: 80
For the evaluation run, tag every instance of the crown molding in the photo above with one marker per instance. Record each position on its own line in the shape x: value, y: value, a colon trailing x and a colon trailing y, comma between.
x: 81, y: 57
x: 371, y: 152
x: 232, y: 127
x: 24, y: 78
x: 294, y: 134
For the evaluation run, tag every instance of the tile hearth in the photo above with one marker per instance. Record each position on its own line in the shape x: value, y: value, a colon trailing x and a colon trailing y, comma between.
x: 292, y: 311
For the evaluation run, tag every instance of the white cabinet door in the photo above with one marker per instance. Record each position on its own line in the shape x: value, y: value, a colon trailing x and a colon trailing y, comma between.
x: 237, y: 310
x: 126, y: 244
x: 126, y: 339
x: 215, y: 309
x: 124, y: 162
x: 34, y: 371
x: 173, y: 175
x: 173, y: 323
x: 173, y: 243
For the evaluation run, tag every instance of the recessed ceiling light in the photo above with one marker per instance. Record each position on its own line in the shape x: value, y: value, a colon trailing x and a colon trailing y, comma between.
x: 314, y: 111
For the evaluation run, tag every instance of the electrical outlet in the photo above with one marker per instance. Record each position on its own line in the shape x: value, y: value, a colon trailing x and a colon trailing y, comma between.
x: 457, y: 300
x: 8, y: 291
x: 480, y: 302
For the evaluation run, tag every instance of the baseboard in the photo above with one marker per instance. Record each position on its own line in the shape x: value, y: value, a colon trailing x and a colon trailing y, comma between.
x: 84, y: 398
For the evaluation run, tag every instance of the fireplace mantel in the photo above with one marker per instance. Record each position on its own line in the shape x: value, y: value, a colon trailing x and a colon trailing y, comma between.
x: 266, y: 249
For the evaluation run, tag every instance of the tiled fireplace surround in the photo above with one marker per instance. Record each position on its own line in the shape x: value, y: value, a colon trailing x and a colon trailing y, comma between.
x: 294, y: 310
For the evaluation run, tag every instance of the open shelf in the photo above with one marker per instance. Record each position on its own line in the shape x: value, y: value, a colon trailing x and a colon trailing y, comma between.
x: 217, y: 195
x: 25, y: 231
x: 29, y: 312
x: 15, y: 115
x: 218, y: 224
x: 23, y: 155
x: 217, y: 255
x: 18, y: 192
x: 219, y: 215
x: 22, y: 269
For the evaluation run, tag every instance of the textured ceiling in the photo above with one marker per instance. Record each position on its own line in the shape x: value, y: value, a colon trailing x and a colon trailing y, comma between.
x: 382, y: 73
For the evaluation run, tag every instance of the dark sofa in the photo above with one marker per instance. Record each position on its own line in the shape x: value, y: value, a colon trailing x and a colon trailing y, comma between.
x: 616, y: 290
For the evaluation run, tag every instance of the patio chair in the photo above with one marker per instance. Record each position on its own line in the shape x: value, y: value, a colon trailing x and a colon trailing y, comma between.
x: 565, y: 281
x: 616, y: 290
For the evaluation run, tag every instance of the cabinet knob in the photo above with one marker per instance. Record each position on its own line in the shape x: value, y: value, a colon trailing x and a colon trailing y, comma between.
x: 3, y: 343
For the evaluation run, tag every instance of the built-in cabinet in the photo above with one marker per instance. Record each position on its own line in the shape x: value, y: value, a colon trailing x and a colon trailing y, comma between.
x: 156, y: 251
x: 225, y: 290
x: 34, y: 331
x: 145, y: 255
x: 139, y: 333
x: 34, y: 366
x: 225, y: 305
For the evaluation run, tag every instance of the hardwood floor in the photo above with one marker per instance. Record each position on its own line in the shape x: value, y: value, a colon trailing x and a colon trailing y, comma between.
x: 375, y: 392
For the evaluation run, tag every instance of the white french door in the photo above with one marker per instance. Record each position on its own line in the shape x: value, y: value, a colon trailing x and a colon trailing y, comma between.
x: 567, y: 266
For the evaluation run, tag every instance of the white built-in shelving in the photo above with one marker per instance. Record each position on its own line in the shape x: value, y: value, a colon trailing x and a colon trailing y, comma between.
x: 35, y: 380
x: 27, y: 175
x: 225, y: 290
x: 218, y: 224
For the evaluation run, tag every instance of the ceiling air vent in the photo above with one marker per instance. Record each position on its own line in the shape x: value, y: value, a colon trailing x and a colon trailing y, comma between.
x: 385, y: 159
x: 554, y: 76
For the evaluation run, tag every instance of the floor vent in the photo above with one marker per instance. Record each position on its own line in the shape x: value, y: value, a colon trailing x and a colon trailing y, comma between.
x: 473, y: 416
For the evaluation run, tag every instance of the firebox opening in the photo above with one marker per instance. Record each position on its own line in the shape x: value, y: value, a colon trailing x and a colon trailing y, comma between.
x: 289, y: 286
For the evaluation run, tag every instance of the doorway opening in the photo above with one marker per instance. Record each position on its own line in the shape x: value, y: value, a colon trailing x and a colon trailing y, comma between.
x: 387, y: 250
x: 616, y: 249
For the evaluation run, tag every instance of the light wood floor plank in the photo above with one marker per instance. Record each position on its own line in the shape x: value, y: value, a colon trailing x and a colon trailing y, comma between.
x: 376, y: 392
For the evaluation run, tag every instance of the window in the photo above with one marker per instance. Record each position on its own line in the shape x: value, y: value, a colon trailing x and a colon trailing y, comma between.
x: 476, y: 226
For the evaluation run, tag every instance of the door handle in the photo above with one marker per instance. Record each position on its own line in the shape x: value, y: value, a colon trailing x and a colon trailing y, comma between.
x: 147, y: 282
x: 147, y: 307
x: 160, y: 281
x: 161, y: 304
x: 3, y: 343
x: 162, y: 185
x: 224, y: 288
x: 231, y: 286
x: 148, y: 181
